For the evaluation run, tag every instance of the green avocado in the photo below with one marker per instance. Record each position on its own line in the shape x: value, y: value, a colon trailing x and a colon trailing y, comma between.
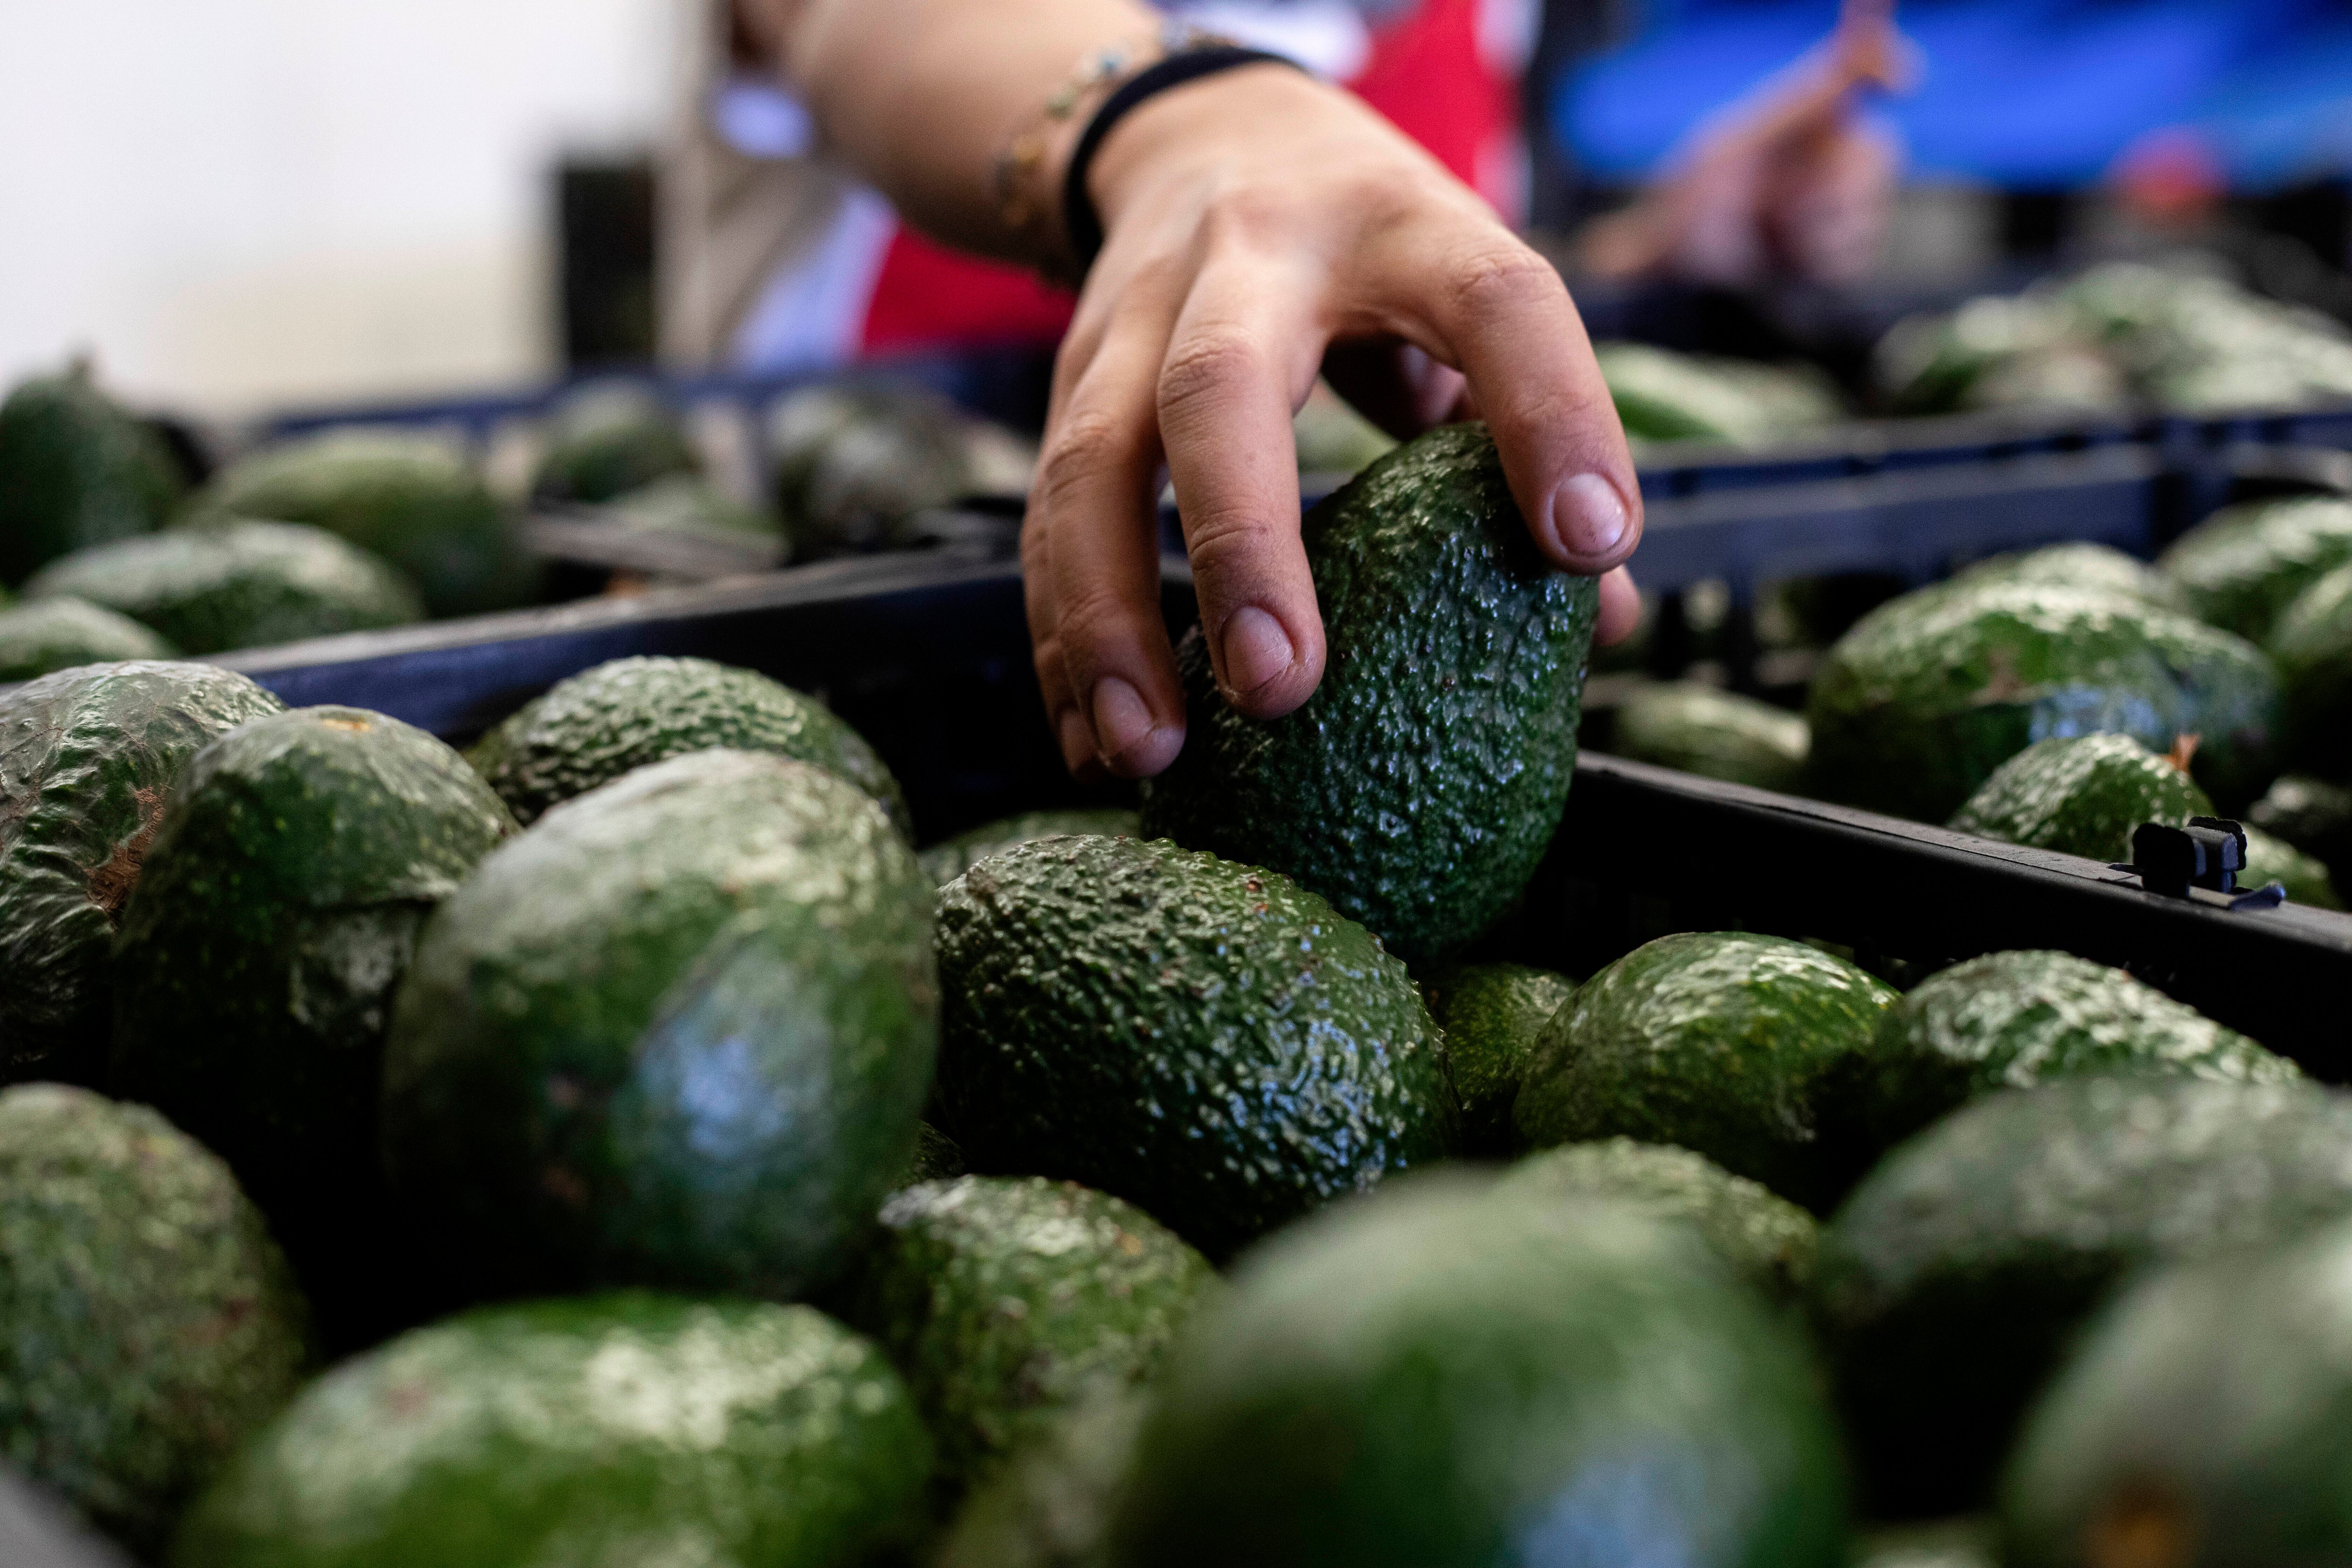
x: 617, y: 1431
x: 2312, y: 646
x: 1768, y: 1241
x: 1209, y: 1041
x: 235, y: 584
x: 74, y: 470
x: 2094, y: 568
x: 1951, y: 1280
x: 147, y: 1322
x: 2081, y: 795
x: 51, y: 635
x: 1663, y: 396
x: 689, y: 503
x: 2242, y: 568
x: 2201, y: 1422
x: 677, y: 1034
x: 853, y: 464
x: 936, y: 1158
x: 1715, y: 734
x: 1005, y: 1300
x: 87, y: 761
x: 1914, y: 708
x: 2312, y: 815
x: 1050, y: 1505
x: 1492, y: 1014
x: 2011, y: 1020
x: 2272, y: 860
x: 254, y: 968
x: 606, y: 439
x: 629, y: 712
x: 1420, y: 785
x: 1447, y: 1375
x: 411, y: 501
x: 1720, y: 1042
x: 952, y: 858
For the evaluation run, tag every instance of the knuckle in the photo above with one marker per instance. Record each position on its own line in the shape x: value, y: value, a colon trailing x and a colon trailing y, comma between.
x: 1085, y: 446
x: 1207, y: 367
x: 1501, y: 276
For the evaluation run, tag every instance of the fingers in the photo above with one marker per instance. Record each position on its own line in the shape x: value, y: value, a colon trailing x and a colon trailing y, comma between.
x: 1621, y: 609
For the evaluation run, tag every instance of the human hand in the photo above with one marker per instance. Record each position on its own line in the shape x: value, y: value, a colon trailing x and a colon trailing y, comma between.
x: 1259, y: 226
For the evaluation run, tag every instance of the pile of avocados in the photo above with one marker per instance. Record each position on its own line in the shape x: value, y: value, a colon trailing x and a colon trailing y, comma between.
x: 637, y: 1140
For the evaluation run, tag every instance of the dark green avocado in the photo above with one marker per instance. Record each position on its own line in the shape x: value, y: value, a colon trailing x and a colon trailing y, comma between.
x: 689, y: 503
x: 1420, y: 785
x: 50, y: 635
x: 952, y: 858
x: 852, y: 465
x: 1206, y: 1040
x: 1493, y: 1014
x: 2081, y: 795
x: 2241, y: 568
x: 74, y: 470
x: 88, y: 759
x: 616, y: 1431
x: 2312, y: 646
x: 2095, y: 568
x: 1768, y: 1241
x: 679, y: 1033
x: 1445, y: 1374
x: 1715, y: 734
x: 626, y: 713
x: 147, y: 1323
x: 607, y: 439
x: 254, y: 969
x: 937, y: 1157
x: 1720, y: 1042
x: 1952, y: 1280
x: 2312, y: 815
x: 1004, y: 1300
x: 1050, y: 1505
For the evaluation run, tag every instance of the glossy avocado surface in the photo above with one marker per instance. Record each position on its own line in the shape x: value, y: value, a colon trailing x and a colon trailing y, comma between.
x: 2241, y: 568
x: 606, y: 1430
x: 1714, y: 733
x: 147, y: 1322
x: 1493, y: 1014
x: 952, y: 858
x: 88, y: 759
x: 2082, y: 794
x: 50, y: 635
x: 1420, y: 785
x: 81, y: 471
x: 1209, y: 1041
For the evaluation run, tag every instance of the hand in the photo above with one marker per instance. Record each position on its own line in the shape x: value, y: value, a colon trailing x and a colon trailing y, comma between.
x: 1259, y: 225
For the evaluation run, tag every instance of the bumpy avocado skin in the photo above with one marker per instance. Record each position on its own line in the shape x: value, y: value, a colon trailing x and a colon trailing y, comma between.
x: 1050, y: 1505
x: 81, y: 472
x: 2098, y: 568
x: 1420, y: 785
x: 1208, y: 1041
x: 51, y: 635
x: 1951, y: 1282
x: 952, y: 858
x: 147, y: 1322
x: 1719, y: 1042
x: 606, y: 441
x: 1493, y: 1014
x: 236, y: 584
x: 679, y: 1033
x: 2241, y: 568
x: 2081, y: 795
x: 1768, y: 1241
x: 88, y: 759
x: 614, y: 1430
x: 1916, y: 707
x: 1716, y: 734
x: 2206, y: 1414
x: 410, y: 500
x: 1445, y: 1374
x: 256, y: 966
x: 628, y: 712
x: 1004, y: 1300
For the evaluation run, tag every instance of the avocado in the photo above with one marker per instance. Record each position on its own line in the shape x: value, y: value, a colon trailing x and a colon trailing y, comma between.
x: 1419, y: 787
x: 688, y: 503
x: 852, y: 464
x: 147, y: 1322
x: 2081, y: 795
x: 1492, y: 1016
x: 2011, y: 1020
x: 2201, y: 1421
x: 1768, y: 1241
x: 1992, y: 351
x: 1663, y: 396
x: 2304, y: 878
x: 606, y: 439
x: 87, y: 761
x: 952, y: 858
x: 2242, y: 568
x: 1914, y: 707
x: 1206, y: 1040
x: 623, y: 1429
x: 1005, y: 1300
x: 50, y: 635
x: 411, y: 501
x: 2312, y: 646
x: 628, y: 712
x: 1714, y: 733
x: 1953, y: 1277
x: 936, y: 1157
x: 1049, y: 1506
x: 255, y: 965
x: 1444, y: 1374
x: 2312, y: 815
x: 235, y: 584
x: 1719, y: 1042
x: 2095, y: 568
x: 678, y: 1034
x: 74, y: 470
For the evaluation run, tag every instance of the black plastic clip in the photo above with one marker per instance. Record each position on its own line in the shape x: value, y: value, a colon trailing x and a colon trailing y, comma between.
x: 2209, y: 853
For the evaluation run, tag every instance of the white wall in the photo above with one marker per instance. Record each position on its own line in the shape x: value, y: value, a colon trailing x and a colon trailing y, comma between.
x: 241, y: 204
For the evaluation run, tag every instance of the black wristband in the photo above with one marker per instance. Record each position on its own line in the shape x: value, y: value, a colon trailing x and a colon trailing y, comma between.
x: 1081, y: 225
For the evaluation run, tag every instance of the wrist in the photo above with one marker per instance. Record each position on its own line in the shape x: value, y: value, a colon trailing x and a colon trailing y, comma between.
x: 1189, y: 129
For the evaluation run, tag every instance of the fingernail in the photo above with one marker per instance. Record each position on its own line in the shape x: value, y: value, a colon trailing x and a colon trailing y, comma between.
x: 1121, y: 717
x: 1588, y: 516
x: 1256, y: 648
x: 1077, y: 742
